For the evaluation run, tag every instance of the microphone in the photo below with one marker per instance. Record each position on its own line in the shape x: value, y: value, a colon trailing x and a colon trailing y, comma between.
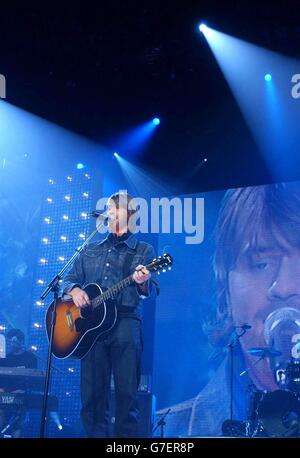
x: 282, y: 331
x: 245, y: 327
x: 103, y: 216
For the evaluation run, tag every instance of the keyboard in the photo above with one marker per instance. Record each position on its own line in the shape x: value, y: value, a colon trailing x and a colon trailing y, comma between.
x: 27, y: 400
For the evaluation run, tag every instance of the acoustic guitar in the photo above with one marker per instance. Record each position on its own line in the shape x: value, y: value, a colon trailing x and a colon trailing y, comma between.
x: 77, y: 329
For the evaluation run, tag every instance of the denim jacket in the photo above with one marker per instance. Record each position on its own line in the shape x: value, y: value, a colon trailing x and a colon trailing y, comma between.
x: 106, y: 262
x: 204, y: 414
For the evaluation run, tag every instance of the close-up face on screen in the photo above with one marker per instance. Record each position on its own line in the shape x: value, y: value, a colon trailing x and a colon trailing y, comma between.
x: 243, y: 292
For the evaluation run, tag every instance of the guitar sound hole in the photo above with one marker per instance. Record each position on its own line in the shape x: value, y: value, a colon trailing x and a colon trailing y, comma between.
x: 86, y: 312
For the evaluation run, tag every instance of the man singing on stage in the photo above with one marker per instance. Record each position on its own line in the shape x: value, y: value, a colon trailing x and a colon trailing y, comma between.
x: 107, y: 262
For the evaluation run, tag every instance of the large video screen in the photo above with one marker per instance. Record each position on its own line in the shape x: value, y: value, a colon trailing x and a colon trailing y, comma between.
x: 228, y: 315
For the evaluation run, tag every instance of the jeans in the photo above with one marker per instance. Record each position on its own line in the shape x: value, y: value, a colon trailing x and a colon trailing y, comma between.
x: 119, y: 354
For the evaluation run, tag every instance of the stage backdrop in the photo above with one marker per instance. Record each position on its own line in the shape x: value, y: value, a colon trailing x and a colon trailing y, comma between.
x: 181, y: 355
x: 20, y: 206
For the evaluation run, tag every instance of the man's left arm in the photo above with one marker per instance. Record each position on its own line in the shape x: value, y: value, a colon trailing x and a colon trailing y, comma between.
x: 145, y: 285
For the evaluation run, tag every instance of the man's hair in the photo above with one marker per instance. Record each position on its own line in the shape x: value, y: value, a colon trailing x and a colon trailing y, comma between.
x: 246, y: 213
x: 16, y: 333
x: 121, y: 198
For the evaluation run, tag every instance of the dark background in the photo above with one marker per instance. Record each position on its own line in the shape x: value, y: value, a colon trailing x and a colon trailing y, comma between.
x: 101, y: 68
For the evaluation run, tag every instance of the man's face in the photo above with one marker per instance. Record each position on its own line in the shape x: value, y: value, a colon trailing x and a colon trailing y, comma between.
x: 261, y: 282
x: 119, y: 217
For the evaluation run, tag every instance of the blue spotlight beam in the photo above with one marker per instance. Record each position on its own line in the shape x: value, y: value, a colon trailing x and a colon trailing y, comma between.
x: 143, y: 183
x: 132, y: 142
x: 268, y: 108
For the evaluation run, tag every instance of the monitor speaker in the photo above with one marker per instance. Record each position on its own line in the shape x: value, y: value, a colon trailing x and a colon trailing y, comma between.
x: 147, y: 405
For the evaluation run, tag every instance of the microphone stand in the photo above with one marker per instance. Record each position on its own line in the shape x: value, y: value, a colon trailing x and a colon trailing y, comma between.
x: 53, y: 286
x: 252, y: 365
x: 162, y: 424
x: 231, y: 346
x: 52, y: 366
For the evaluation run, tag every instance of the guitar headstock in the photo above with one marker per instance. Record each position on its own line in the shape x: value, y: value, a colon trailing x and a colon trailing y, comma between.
x: 162, y: 263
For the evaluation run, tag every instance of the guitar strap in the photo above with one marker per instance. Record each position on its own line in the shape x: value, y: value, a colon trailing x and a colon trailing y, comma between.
x: 126, y: 272
x: 126, y: 268
x: 128, y: 261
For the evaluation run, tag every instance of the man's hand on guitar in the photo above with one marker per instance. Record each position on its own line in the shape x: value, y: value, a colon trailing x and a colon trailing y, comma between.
x: 80, y: 298
x: 141, y: 274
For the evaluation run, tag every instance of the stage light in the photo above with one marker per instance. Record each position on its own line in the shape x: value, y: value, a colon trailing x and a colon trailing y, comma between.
x: 81, y: 236
x: 34, y: 347
x: 51, y: 181
x: 63, y: 238
x: 55, y: 417
x: 85, y: 194
x: 207, y: 31
x: 268, y: 77
x: 87, y: 176
x: 37, y: 325
x: 61, y: 258
x: 203, y: 27
x: 156, y: 121
x: 40, y: 282
x: 43, y: 261
x: 133, y: 142
x: 69, y: 178
x: 47, y: 220
x: 68, y: 198
x: 45, y: 240
x: 49, y: 200
x: 84, y: 215
x: 65, y: 217
x: 80, y: 166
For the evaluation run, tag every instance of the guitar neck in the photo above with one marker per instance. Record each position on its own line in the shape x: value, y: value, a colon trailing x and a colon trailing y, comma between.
x: 111, y: 292
x: 155, y: 266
